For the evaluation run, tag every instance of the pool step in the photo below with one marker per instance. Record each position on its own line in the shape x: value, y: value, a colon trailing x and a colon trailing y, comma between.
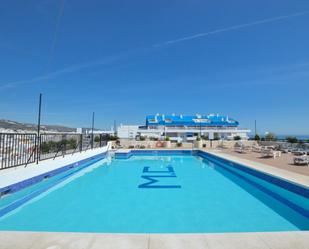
x: 123, y: 154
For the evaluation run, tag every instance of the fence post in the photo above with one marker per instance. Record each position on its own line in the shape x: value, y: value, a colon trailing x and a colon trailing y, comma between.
x: 39, y: 146
x: 36, y: 149
x: 39, y: 130
x: 1, y: 152
x: 81, y: 143
x: 64, y: 145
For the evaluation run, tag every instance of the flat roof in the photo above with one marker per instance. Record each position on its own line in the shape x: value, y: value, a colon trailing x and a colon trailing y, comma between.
x: 191, y: 120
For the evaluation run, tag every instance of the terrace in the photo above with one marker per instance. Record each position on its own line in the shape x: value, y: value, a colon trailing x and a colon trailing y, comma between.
x: 285, y: 161
x: 280, y: 167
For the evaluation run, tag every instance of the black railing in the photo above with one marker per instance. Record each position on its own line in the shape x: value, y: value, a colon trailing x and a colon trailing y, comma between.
x: 16, y: 149
x: 53, y: 145
x: 23, y: 149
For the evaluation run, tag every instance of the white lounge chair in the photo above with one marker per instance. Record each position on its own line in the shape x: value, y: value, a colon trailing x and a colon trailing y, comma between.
x: 270, y: 153
x: 242, y: 149
x: 239, y: 149
x: 301, y: 160
x: 300, y: 153
x: 257, y: 148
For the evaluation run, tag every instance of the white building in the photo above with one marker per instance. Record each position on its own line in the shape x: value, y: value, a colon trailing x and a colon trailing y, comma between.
x: 185, y: 128
x: 128, y: 131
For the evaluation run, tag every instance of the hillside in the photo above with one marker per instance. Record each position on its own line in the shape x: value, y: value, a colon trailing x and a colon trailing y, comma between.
x: 13, y: 126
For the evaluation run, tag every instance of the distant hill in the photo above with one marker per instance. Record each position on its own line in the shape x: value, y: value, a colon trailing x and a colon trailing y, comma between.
x: 13, y: 126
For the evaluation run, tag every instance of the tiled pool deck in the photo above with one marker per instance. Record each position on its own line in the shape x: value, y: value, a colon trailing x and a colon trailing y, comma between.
x: 285, y: 161
x: 40, y: 240
x: 33, y: 240
x: 269, y: 169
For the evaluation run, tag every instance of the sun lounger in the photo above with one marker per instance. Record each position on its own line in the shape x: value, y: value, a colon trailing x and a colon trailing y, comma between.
x: 239, y: 149
x: 270, y: 153
x: 301, y: 160
x: 300, y: 153
x: 257, y: 148
x: 242, y: 149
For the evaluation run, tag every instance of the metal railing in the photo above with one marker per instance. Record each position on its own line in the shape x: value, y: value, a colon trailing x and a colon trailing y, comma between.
x: 15, y: 149
x: 23, y: 149
x: 196, y: 128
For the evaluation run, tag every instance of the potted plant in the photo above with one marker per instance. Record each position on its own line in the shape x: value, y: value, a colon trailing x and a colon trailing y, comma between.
x: 198, y: 143
x: 237, y: 138
x: 167, y: 142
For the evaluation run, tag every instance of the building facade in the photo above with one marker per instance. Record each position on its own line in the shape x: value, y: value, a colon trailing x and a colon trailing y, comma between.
x: 185, y: 127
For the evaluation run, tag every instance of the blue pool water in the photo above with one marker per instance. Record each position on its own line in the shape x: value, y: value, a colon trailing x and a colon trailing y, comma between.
x: 157, y: 194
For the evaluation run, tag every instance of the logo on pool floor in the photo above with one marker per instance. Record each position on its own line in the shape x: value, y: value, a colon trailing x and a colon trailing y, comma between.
x: 154, y: 176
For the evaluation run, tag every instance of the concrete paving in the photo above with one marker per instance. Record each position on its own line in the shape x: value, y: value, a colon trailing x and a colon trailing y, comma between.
x: 263, y: 167
x: 270, y: 240
x: 285, y: 161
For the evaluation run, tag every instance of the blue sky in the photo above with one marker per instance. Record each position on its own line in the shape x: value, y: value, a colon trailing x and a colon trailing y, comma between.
x: 127, y: 59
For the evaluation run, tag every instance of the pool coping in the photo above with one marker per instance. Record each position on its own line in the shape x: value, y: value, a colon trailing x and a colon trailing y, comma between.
x: 260, y: 240
x: 13, y: 180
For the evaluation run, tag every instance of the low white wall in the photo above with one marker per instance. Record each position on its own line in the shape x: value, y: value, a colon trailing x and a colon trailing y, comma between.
x: 20, y: 173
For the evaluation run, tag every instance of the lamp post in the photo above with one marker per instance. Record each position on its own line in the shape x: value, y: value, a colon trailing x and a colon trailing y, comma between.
x: 39, y: 130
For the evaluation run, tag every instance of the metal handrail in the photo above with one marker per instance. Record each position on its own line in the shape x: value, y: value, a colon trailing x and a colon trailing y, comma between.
x: 60, y: 148
x: 88, y: 146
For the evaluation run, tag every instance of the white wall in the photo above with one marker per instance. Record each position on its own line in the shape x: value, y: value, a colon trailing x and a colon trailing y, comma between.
x: 127, y: 131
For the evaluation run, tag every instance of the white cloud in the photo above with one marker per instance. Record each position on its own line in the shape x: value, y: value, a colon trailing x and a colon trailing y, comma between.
x: 235, y: 27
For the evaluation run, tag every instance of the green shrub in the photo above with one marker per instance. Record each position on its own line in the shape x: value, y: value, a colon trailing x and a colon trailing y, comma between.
x: 179, y: 144
x: 237, y: 138
x: 167, y: 139
x: 97, y: 139
x: 71, y: 144
x: 205, y: 137
x: 257, y: 137
x: 270, y: 137
x: 291, y: 139
x: 110, y: 137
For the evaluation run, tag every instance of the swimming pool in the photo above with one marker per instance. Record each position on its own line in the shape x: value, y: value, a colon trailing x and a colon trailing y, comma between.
x: 159, y: 193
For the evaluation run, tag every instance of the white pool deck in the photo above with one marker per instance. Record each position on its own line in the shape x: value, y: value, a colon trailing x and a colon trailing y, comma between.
x: 49, y: 240
x: 34, y: 240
